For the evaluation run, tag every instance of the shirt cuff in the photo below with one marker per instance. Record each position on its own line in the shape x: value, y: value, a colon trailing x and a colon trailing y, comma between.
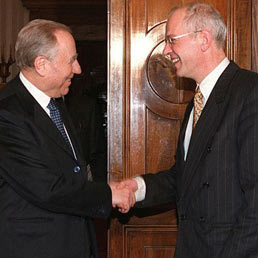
x: 141, y: 191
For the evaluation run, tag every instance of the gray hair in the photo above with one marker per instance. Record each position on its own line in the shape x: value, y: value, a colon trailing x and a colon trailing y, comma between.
x: 35, y: 39
x: 201, y: 15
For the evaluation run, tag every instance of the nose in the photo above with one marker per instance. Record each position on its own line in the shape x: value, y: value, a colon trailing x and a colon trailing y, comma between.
x: 167, y: 49
x: 76, y: 67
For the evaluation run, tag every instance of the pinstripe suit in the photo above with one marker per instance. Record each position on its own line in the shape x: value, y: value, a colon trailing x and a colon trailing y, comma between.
x: 216, y: 188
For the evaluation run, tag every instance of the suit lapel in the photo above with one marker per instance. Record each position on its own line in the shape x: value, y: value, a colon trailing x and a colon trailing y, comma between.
x: 43, y: 121
x: 70, y: 129
x: 39, y: 116
x: 183, y: 129
x: 207, y: 125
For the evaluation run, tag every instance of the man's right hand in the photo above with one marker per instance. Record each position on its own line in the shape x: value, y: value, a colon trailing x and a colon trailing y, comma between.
x: 123, y: 195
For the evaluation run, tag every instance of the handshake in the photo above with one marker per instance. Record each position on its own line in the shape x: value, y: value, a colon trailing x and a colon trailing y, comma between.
x: 123, y: 194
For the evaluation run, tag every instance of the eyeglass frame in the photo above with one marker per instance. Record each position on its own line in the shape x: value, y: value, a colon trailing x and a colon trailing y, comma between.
x: 171, y: 40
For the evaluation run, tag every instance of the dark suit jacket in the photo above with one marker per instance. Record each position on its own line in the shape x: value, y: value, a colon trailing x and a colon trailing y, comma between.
x: 216, y: 188
x: 46, y: 201
x: 86, y: 116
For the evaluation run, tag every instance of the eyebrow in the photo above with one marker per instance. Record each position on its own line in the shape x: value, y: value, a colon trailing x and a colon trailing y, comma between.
x: 74, y: 58
x: 170, y: 35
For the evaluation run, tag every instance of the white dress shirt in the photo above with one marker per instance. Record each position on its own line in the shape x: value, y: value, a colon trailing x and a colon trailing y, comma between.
x: 37, y: 94
x: 206, y: 87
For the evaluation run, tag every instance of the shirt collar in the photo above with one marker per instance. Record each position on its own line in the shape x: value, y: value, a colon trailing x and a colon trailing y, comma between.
x: 208, y: 83
x: 37, y: 94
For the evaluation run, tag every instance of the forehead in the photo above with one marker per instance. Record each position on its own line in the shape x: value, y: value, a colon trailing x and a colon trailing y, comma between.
x: 65, y: 39
x: 66, y: 46
x: 175, y: 23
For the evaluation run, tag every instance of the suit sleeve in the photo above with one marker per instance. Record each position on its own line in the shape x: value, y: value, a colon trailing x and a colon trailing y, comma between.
x: 243, y: 239
x: 160, y: 188
x: 30, y: 168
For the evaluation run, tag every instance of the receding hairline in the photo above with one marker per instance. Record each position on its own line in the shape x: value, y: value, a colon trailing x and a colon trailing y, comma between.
x: 42, y: 23
x: 201, y: 15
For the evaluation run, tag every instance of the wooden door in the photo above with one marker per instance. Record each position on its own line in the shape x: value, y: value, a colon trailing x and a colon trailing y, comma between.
x: 146, y: 104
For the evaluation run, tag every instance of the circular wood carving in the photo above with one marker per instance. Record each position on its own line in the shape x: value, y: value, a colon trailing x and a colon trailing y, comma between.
x: 162, y: 76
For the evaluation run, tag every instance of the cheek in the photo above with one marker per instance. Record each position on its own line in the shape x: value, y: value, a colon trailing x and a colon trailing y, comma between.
x: 68, y: 72
x: 63, y: 76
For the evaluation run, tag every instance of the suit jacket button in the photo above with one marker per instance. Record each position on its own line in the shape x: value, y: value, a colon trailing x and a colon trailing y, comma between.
x: 202, y: 219
x: 206, y: 185
x: 209, y: 149
x: 183, y: 217
x: 76, y: 169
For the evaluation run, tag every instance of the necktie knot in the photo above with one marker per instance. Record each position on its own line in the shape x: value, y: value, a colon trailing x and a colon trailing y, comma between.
x: 198, y: 106
x: 52, y: 105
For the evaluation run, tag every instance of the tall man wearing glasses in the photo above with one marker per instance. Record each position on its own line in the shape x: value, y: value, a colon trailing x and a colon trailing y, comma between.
x: 215, y: 177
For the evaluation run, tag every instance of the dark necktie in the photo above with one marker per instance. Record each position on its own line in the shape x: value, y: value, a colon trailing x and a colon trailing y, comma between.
x: 56, y: 118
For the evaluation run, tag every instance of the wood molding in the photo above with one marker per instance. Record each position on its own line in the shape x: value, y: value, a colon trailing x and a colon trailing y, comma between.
x: 30, y: 4
x: 255, y: 36
x: 89, y: 16
x: 2, y: 85
x: 240, y: 33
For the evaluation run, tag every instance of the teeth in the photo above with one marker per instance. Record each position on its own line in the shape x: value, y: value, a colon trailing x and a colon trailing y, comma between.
x: 175, y: 60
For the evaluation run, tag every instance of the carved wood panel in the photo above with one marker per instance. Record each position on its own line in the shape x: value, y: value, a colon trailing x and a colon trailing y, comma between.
x: 154, y: 242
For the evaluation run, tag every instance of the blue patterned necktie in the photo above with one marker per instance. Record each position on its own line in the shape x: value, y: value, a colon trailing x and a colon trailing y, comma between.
x: 56, y: 118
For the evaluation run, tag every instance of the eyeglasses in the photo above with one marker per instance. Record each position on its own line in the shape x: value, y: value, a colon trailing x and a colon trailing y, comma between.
x: 172, y: 40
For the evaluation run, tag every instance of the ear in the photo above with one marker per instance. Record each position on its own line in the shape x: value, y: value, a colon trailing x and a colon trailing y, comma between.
x: 40, y: 65
x: 206, y: 40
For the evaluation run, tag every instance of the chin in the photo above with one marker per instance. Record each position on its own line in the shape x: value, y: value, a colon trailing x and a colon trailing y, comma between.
x: 179, y: 74
x: 64, y: 92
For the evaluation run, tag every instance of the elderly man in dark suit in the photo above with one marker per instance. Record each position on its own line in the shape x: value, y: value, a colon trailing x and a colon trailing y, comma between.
x: 215, y: 177
x: 46, y: 200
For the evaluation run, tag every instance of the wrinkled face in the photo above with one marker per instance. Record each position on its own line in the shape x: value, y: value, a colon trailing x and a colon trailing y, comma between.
x: 182, y: 46
x: 63, y: 66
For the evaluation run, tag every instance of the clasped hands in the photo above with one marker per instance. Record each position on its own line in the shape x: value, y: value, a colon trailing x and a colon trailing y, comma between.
x: 123, y: 194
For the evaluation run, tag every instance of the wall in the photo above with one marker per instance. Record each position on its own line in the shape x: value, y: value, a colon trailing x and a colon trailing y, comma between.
x: 13, y: 16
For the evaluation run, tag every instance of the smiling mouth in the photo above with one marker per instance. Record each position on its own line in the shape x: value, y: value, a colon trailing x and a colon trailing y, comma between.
x: 175, y: 60
x: 171, y: 59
